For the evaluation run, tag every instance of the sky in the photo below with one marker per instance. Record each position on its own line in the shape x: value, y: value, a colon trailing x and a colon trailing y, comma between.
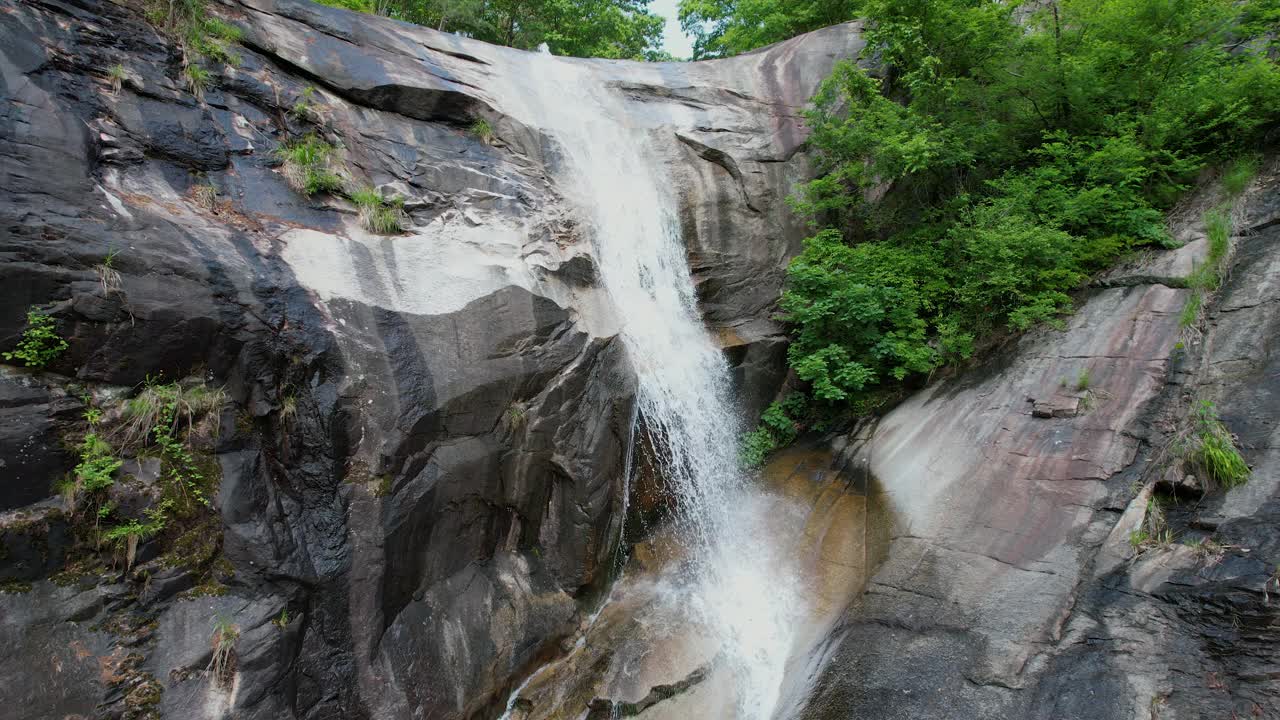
x: 673, y: 40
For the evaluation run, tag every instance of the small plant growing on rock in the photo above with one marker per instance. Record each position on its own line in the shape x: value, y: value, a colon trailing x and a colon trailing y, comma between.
x: 483, y: 130
x: 1206, y: 277
x: 1082, y: 380
x: 1155, y: 529
x: 205, y: 195
x: 158, y: 414
x: 197, y: 80
x: 40, y: 343
x: 223, y: 662
x: 282, y: 620
x: 1238, y: 175
x: 376, y: 213
x: 302, y: 106
x: 108, y: 276
x: 116, y: 75
x: 306, y: 166
x: 289, y: 407
x: 1213, y: 449
x: 129, y: 533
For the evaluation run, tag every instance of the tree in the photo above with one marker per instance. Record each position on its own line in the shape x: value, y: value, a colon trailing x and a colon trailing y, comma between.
x: 729, y: 27
x: 582, y: 28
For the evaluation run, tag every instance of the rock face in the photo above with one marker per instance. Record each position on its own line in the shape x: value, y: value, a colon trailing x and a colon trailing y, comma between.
x: 422, y: 458
x: 1011, y: 588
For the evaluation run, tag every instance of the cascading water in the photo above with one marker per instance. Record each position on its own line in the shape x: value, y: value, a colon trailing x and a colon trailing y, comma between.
x: 741, y: 597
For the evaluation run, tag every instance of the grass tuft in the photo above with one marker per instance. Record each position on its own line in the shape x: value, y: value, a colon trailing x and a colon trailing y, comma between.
x: 117, y: 77
x: 198, y: 80
x: 223, y: 662
x: 1238, y: 175
x: 378, y: 214
x: 306, y: 166
x: 483, y: 130
x: 1213, y: 449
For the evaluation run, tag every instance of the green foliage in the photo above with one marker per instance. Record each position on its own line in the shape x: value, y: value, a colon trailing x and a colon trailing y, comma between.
x: 1239, y: 173
x: 582, y: 28
x: 779, y: 425
x: 40, y: 343
x: 728, y: 27
x: 163, y: 415
x: 1083, y: 380
x: 198, y: 80
x: 302, y: 106
x: 306, y: 166
x: 1206, y: 276
x: 98, y: 464
x: 1017, y: 159
x: 482, y: 130
x: 1213, y: 449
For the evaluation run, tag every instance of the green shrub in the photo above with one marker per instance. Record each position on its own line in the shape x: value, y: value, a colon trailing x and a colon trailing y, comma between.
x: 364, y: 6
x: 98, y: 464
x: 1083, y: 380
x: 1019, y: 158
x: 780, y: 423
x: 302, y: 106
x: 40, y: 343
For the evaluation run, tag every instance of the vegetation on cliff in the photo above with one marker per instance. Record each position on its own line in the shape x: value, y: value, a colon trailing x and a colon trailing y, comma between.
x: 996, y: 158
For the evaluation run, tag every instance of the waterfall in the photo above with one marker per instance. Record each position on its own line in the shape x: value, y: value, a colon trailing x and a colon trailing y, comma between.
x: 736, y: 591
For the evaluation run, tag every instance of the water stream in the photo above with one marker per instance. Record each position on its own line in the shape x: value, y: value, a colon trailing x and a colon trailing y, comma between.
x: 731, y: 587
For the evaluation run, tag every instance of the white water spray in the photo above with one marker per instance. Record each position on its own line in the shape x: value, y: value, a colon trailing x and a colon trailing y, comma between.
x: 739, y: 591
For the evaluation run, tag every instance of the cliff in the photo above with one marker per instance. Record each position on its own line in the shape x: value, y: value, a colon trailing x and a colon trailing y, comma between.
x: 416, y: 482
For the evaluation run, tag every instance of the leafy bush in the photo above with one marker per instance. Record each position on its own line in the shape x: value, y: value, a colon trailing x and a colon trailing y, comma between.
x: 994, y: 165
x: 779, y: 426
x: 98, y: 464
x: 40, y: 343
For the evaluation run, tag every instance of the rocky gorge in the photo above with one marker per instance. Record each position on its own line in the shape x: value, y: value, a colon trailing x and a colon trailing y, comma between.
x: 424, y: 472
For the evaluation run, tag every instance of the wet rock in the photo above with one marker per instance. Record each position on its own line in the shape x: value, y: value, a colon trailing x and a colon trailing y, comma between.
x: 422, y: 457
x: 32, y: 456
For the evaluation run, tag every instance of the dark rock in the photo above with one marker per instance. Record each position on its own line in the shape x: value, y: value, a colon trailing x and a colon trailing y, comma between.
x: 32, y: 456
x: 422, y: 455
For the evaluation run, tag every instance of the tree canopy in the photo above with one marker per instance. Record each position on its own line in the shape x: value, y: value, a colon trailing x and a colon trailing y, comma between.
x: 983, y: 159
x: 583, y: 28
x: 729, y: 27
